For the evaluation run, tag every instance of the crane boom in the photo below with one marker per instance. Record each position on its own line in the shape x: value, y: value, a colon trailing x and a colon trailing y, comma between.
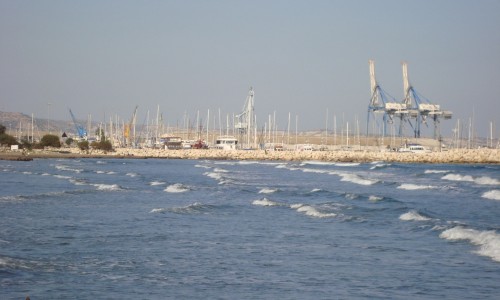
x: 82, y: 133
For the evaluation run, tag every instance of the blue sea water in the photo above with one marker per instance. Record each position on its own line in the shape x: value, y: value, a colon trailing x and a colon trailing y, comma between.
x: 185, y: 229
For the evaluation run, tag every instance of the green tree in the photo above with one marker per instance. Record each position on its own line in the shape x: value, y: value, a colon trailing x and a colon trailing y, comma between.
x: 50, y: 140
x: 69, y: 141
x: 83, y: 145
x: 8, y: 140
x: 2, y: 129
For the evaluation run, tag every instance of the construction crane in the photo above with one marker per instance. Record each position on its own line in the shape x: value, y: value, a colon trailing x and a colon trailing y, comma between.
x: 419, y: 108
x: 82, y: 133
x: 245, y: 123
x: 382, y: 103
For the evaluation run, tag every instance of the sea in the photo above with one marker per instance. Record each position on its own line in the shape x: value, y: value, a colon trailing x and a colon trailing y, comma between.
x: 216, y: 229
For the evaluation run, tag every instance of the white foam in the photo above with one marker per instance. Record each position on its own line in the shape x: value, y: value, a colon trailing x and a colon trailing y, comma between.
x: 176, y: 188
x: 66, y: 168
x: 493, y: 195
x: 315, y: 190
x: 219, y: 170
x: 488, y: 241
x: 356, y: 179
x: 436, y: 171
x: 27, y: 173
x: 202, y: 166
x: 378, y: 166
x: 311, y: 211
x: 156, y: 183
x: 267, y: 191
x: 99, y: 172
x: 111, y: 173
x: 265, y: 202
x: 157, y: 210
x: 413, y: 216
x: 484, y: 180
x: 375, y: 198
x: 213, y: 175
x: 62, y: 177
x: 318, y: 163
x: 307, y: 170
x: 107, y: 187
x: 346, y: 164
x: 131, y: 174
x: 77, y: 182
x: 45, y: 174
x: 412, y: 187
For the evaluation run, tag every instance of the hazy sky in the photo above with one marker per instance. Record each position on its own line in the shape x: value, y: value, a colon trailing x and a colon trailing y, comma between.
x: 106, y: 57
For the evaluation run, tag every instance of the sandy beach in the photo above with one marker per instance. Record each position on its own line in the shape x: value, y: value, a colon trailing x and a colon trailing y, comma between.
x: 467, y: 156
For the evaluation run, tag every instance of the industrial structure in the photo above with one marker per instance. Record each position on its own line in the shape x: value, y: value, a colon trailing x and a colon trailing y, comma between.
x: 82, y: 133
x: 245, y: 122
x: 413, y: 110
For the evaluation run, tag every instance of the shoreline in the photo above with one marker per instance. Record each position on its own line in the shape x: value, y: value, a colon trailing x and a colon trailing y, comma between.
x: 452, y: 156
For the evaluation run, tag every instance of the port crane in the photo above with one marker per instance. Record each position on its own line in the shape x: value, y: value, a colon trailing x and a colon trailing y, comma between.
x: 381, y: 103
x: 419, y: 109
x: 82, y: 133
x: 245, y: 122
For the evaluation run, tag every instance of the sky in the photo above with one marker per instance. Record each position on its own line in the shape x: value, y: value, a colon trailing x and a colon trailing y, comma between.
x: 305, y: 58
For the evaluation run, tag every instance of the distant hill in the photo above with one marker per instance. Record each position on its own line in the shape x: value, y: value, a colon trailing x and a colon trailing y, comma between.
x: 20, y: 124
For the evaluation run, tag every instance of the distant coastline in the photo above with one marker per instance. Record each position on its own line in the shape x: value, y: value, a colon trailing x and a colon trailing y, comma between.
x: 463, y: 156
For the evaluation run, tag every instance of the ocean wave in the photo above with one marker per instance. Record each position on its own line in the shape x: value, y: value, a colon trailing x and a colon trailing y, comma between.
x: 132, y: 174
x: 157, y: 183
x: 265, y: 202
x: 484, y: 180
x: 107, y: 187
x: 346, y: 164
x: 78, y: 181
x: 311, y: 211
x: 202, y: 166
x: 213, y: 175
x: 62, y: 176
x: 379, y: 166
x: 356, y: 179
x: 195, y: 208
x: 67, y: 168
x: 315, y: 190
x: 488, y: 241
x: 493, y: 195
x: 375, y: 198
x: 317, y: 163
x: 176, y: 188
x: 413, y: 215
x: 219, y: 170
x: 436, y: 171
x: 412, y: 187
x: 267, y: 191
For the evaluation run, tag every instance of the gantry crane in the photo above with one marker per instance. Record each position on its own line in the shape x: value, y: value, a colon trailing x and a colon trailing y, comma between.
x: 419, y: 108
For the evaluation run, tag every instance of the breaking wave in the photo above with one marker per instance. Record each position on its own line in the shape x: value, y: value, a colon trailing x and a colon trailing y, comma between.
x: 412, y: 187
x: 157, y: 183
x: 67, y: 168
x: 267, y: 191
x: 436, y: 171
x: 265, y: 202
x: 131, y: 174
x: 375, y: 198
x: 484, y: 180
x: 176, y: 188
x: 413, y: 215
x: 493, y: 195
x: 356, y: 179
x: 311, y: 211
x: 107, y: 187
x: 195, y: 208
x: 488, y: 241
x: 379, y: 166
